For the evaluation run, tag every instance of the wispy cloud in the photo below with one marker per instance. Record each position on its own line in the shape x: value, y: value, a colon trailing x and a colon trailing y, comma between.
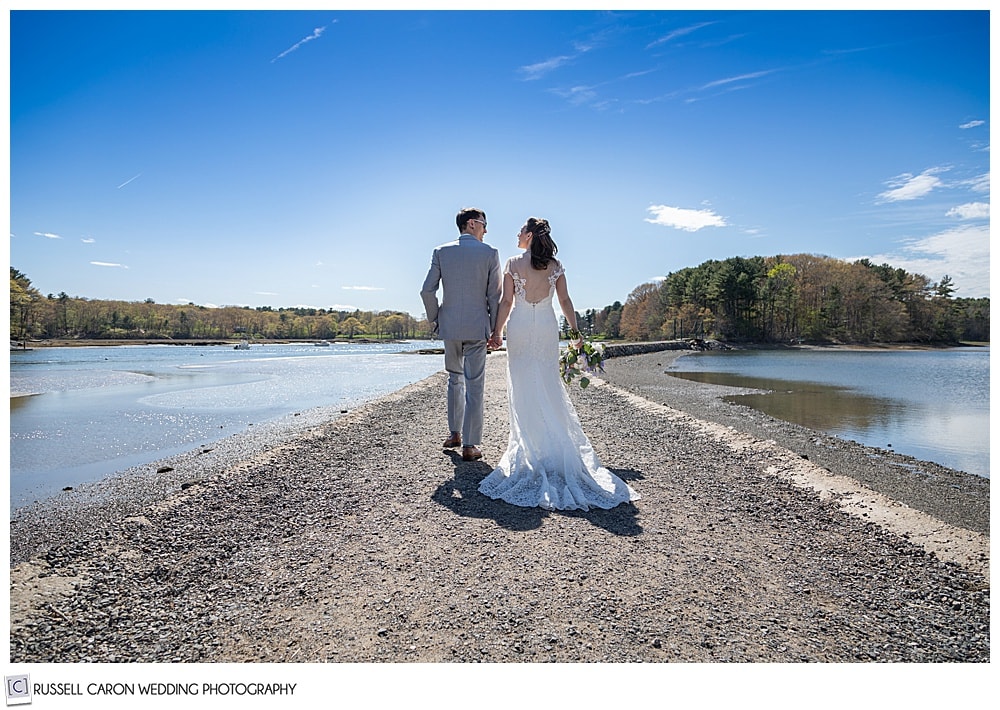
x: 265, y: 293
x: 735, y: 79
x: 362, y: 288
x: 129, y: 180
x: 109, y: 264
x: 683, y: 31
x: 584, y: 94
x: 577, y: 95
x: 971, y: 210
x: 718, y: 86
x: 316, y: 34
x: 972, y: 124
x: 533, y: 72
x: 88, y: 240
x: 980, y: 183
x: 687, y: 220
x: 636, y: 74
x: 854, y: 50
x: 48, y: 235
x: 962, y: 253
x: 912, y: 187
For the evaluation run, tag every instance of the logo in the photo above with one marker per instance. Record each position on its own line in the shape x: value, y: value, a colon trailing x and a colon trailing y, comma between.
x: 18, y: 690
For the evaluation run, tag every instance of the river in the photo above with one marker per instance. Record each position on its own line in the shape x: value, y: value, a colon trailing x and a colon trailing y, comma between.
x: 933, y: 404
x: 79, y: 414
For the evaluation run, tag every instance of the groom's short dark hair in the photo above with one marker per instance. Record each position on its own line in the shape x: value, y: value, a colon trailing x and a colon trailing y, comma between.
x: 467, y: 213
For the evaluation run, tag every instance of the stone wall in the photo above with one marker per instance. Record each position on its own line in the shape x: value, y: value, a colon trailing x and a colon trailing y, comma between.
x: 622, y: 349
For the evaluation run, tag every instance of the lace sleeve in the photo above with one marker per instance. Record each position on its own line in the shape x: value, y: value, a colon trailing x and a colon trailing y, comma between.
x: 556, y: 273
x: 519, y: 283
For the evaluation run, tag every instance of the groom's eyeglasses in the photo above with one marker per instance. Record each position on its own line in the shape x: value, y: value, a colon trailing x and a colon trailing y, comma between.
x: 481, y: 221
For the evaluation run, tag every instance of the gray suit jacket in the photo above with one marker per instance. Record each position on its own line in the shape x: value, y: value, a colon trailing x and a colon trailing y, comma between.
x: 469, y: 271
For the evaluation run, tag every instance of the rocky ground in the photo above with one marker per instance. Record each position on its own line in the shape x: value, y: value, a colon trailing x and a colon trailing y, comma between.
x: 359, y: 539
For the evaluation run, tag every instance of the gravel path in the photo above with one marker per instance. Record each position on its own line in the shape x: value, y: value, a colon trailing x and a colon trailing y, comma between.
x: 359, y: 539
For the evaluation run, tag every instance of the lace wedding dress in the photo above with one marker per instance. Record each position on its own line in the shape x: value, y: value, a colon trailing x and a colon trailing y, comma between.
x: 549, y: 462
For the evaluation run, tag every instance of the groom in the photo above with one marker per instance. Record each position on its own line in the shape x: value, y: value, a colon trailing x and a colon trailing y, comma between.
x: 469, y: 270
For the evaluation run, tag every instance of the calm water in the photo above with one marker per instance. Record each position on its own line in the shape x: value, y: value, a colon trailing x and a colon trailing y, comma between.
x: 80, y: 414
x: 933, y: 405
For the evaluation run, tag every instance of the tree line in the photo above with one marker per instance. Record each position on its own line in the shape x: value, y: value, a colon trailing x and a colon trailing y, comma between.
x: 795, y: 298
x: 33, y: 315
x: 802, y: 298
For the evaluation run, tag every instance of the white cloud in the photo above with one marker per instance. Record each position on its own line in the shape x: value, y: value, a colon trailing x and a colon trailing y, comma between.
x: 685, y: 219
x: 109, y: 264
x: 911, y: 187
x: 576, y: 95
x: 88, y: 240
x: 362, y: 288
x: 48, y: 235
x: 963, y: 253
x: 978, y: 184
x: 971, y: 210
x: 537, y: 71
x: 678, y: 33
x: 972, y: 124
x: 317, y: 33
x: 128, y: 181
x: 189, y: 302
x: 733, y: 79
x: 265, y: 293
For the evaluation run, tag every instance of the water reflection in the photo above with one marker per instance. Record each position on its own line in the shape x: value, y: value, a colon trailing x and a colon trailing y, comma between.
x: 822, y: 407
x: 933, y: 406
x: 21, y: 401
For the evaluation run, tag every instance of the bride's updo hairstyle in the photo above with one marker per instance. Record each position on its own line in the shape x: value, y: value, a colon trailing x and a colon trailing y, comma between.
x: 543, y: 249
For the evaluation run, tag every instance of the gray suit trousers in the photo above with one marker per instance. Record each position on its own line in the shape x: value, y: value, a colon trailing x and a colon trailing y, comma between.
x: 465, y: 361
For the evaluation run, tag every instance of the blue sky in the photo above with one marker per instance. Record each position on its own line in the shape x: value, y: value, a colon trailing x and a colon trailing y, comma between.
x: 316, y: 157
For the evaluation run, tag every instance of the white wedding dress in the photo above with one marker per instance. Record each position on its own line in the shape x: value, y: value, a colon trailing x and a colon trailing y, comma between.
x: 549, y: 462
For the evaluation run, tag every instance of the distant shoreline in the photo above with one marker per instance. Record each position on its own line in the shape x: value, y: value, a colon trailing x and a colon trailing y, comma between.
x: 87, y: 343
x: 93, y: 342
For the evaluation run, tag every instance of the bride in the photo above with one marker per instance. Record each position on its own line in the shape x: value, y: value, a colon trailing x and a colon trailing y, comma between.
x: 549, y: 462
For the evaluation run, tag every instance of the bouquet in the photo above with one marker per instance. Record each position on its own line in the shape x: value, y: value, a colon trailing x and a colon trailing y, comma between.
x: 578, y: 361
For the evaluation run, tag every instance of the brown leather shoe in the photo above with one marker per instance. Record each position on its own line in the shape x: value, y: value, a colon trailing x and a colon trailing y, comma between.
x: 452, y: 441
x: 471, y: 453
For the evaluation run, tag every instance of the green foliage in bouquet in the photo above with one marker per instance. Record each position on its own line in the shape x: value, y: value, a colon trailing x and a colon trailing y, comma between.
x: 579, y: 361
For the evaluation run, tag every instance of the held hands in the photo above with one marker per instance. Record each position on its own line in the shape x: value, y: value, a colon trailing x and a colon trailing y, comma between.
x: 495, y: 341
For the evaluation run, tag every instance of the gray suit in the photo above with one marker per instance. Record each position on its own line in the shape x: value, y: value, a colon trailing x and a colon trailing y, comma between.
x: 469, y: 271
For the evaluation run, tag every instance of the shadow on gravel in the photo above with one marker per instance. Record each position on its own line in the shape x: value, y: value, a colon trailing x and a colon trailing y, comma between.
x: 627, y: 474
x: 461, y: 495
